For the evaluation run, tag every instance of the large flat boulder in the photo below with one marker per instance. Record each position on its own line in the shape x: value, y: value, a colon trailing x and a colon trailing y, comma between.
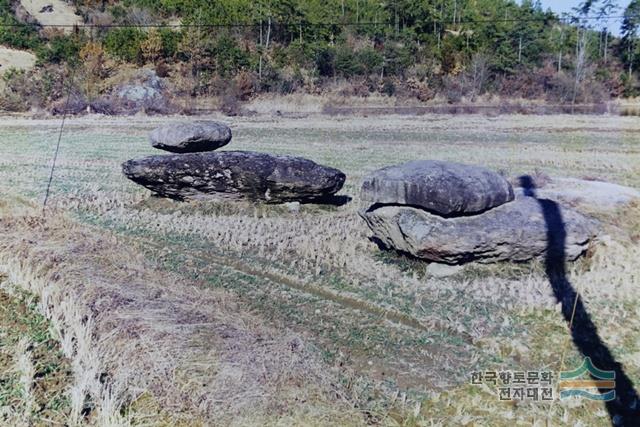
x: 235, y: 175
x: 191, y: 137
x: 444, y: 188
x: 517, y: 231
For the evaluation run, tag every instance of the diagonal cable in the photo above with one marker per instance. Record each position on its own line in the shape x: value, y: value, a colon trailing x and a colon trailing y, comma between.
x: 55, y: 154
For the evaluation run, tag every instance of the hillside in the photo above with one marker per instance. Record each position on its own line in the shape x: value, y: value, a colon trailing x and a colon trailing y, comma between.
x: 52, y: 12
x: 226, y: 53
x: 16, y: 59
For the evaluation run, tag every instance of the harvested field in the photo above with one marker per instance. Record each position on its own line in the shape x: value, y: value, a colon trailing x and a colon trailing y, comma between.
x: 206, y: 310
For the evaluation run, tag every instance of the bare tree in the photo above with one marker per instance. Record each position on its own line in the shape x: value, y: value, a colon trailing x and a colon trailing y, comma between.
x: 582, y: 41
x: 581, y: 62
x: 630, y: 28
x: 139, y: 16
x: 479, y: 72
x: 607, y: 8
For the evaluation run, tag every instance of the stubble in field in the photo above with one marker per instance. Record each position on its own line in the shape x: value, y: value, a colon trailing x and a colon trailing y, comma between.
x: 315, y: 273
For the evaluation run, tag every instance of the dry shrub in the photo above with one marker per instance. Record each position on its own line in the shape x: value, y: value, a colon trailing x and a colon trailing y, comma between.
x: 51, y: 33
x: 107, y: 105
x: 527, y: 85
x: 11, y: 101
x: 562, y: 88
x: 99, y: 19
x: 139, y: 16
x: 420, y: 89
x: 230, y: 104
x: 245, y: 83
x: 93, y: 60
x: 234, y: 92
x: 360, y: 88
x: 92, y: 56
x: 454, y: 89
x: 36, y: 88
x: 388, y: 86
x: 75, y: 104
x: 162, y: 69
x: 152, y: 47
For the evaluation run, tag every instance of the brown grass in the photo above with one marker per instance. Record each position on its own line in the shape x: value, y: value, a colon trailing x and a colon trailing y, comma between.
x: 34, y: 375
x: 144, y: 339
x: 315, y: 271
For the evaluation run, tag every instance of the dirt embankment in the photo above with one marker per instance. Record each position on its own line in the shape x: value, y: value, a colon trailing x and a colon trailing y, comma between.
x: 49, y: 13
x: 18, y: 59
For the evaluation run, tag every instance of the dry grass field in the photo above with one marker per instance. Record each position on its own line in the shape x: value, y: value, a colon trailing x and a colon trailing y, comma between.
x: 181, y: 313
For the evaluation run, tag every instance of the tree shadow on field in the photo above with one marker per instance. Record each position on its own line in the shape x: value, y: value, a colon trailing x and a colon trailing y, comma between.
x: 624, y: 410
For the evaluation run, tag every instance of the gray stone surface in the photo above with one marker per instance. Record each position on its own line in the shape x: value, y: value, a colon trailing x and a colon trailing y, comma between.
x: 592, y: 195
x: 293, y: 207
x: 517, y: 231
x: 444, y: 188
x: 144, y: 92
x: 235, y: 175
x: 438, y: 270
x: 190, y: 137
x: 139, y: 93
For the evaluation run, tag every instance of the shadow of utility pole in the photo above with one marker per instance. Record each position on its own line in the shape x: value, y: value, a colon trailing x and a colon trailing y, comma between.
x: 624, y: 410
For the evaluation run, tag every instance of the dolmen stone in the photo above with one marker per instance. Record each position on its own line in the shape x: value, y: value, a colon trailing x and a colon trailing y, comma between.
x: 444, y: 188
x: 517, y: 231
x: 235, y: 175
x: 191, y: 137
x: 453, y: 214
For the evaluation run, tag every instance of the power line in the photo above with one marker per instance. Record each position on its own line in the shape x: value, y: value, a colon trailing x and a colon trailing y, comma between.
x: 234, y: 25
x: 55, y: 154
x: 566, y: 19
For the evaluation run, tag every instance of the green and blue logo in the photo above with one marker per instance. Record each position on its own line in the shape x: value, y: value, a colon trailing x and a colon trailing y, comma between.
x: 595, y: 388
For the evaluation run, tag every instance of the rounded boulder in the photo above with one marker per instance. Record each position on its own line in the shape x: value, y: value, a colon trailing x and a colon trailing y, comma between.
x: 190, y: 137
x: 443, y: 188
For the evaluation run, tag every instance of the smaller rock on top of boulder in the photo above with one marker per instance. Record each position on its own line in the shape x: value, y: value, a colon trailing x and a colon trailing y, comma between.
x: 443, y: 188
x: 191, y: 137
